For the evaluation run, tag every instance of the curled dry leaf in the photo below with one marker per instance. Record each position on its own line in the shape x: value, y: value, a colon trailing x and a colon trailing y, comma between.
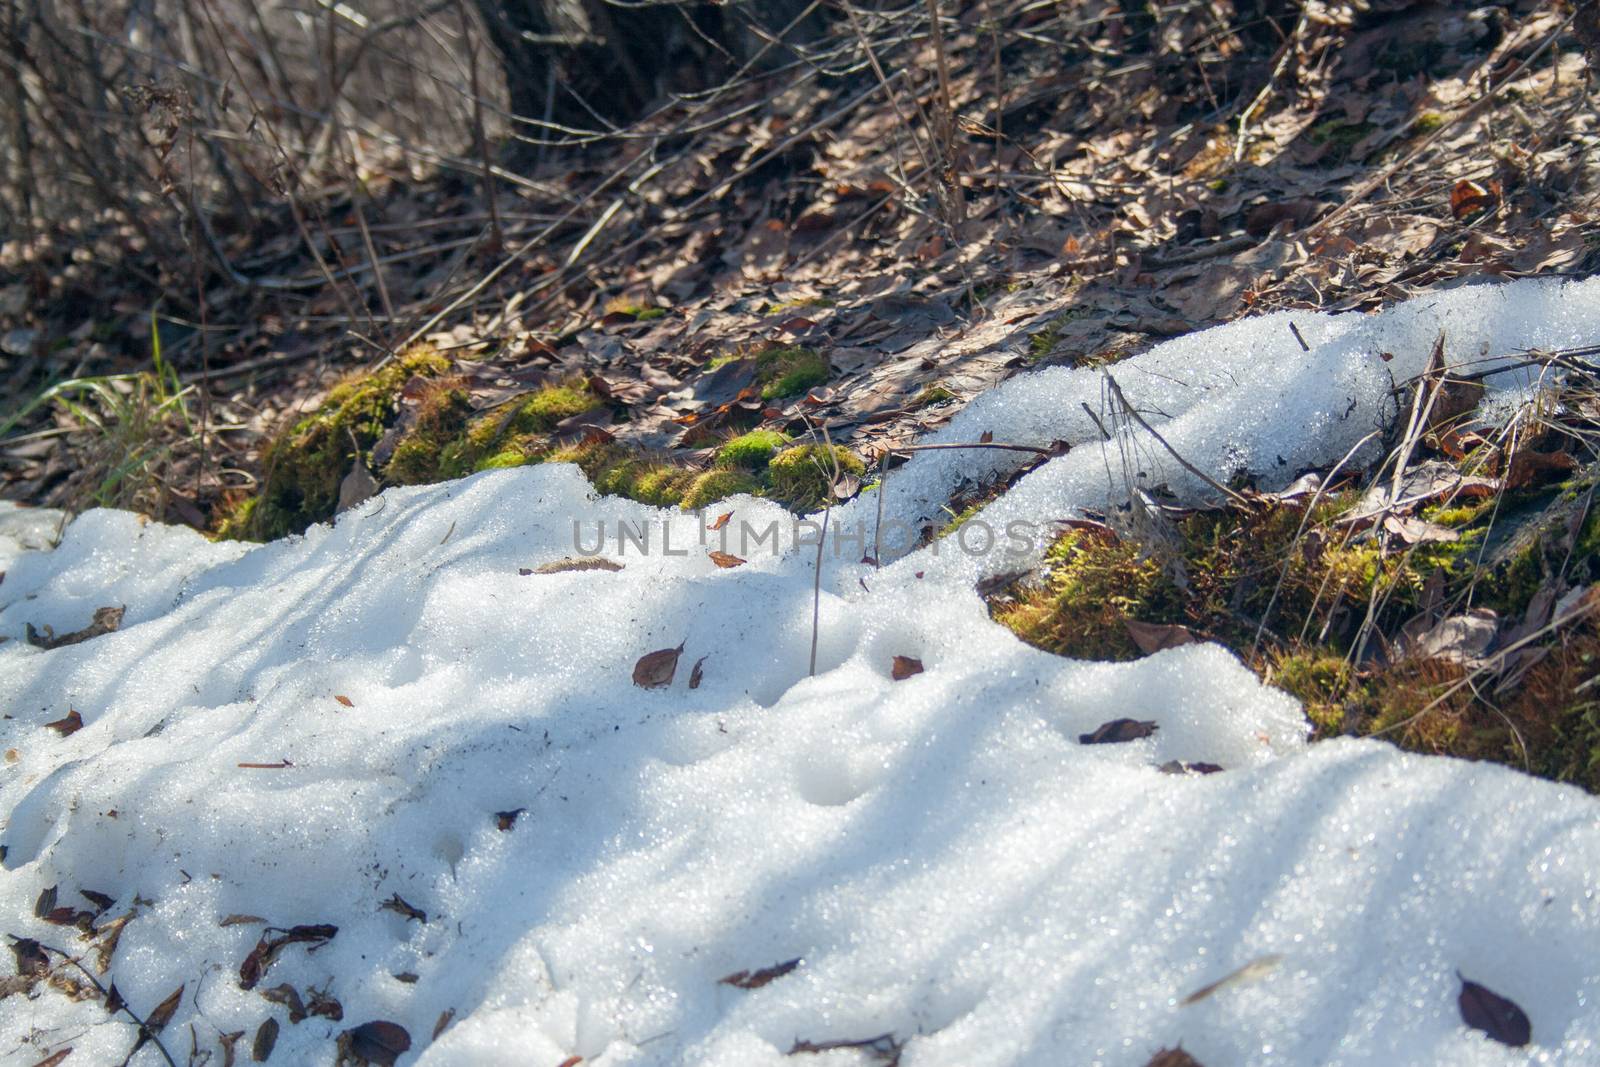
x: 266, y: 1039
x: 505, y: 820
x: 1464, y: 638
x: 697, y: 673
x: 358, y: 486
x: 726, y: 560
x: 31, y: 960
x: 324, y: 1005
x: 398, y: 905
x: 101, y: 901
x: 289, y: 997
x: 157, y: 1020
x: 346, y: 701
x: 1179, y: 767
x: 68, y: 725
x: 55, y: 1057
x: 45, y: 903
x: 1531, y: 468
x: 375, y: 1044
x: 722, y: 520
x: 267, y: 949
x: 904, y: 667
x: 1173, y: 1057
x: 443, y: 1021
x: 1117, y: 731
x: 1415, y: 531
x: 1152, y: 637
x: 1468, y: 196
x: 655, y: 669
x: 576, y: 563
x: 1500, y: 1018
x: 757, y: 979
x: 105, y: 621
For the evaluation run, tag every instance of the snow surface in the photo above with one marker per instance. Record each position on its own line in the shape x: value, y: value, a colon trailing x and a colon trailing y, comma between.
x: 947, y: 861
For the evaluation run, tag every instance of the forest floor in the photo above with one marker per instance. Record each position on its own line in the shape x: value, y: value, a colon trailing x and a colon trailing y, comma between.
x: 1133, y: 184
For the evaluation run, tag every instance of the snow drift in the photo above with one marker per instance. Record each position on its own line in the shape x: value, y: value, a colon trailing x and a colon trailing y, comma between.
x: 388, y: 727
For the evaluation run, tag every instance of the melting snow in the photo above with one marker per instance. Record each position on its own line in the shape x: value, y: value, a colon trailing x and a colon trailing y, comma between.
x: 947, y: 861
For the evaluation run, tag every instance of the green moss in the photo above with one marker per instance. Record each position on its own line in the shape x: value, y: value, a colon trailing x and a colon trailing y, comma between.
x: 1094, y: 586
x: 511, y: 457
x: 547, y: 407
x: 441, y: 415
x: 802, y: 476
x: 1294, y: 604
x: 933, y: 394
x: 517, y: 429
x: 303, y: 466
x: 1340, y: 136
x: 751, y: 450
x: 618, y: 471
x: 641, y: 312
x: 1042, y: 343
x: 716, y: 485
x: 234, y: 519
x: 1427, y: 122
x: 789, y: 371
x: 1321, y: 682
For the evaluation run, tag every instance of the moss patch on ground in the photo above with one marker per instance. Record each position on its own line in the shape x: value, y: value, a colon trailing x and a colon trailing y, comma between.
x: 303, y: 466
x: 1315, y: 605
x: 803, y: 476
x: 417, y: 397
x: 752, y: 450
x: 789, y: 370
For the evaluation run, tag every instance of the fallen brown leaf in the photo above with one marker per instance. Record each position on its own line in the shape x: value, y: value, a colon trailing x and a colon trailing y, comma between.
x: 904, y: 667
x: 1117, y: 731
x: 757, y: 979
x: 66, y: 726
x: 398, y: 905
x: 375, y: 1044
x: 105, y: 621
x: 726, y: 559
x: 1500, y: 1018
x: 266, y: 1039
x: 655, y: 669
x: 346, y: 701
x: 1152, y: 637
x: 1173, y: 1057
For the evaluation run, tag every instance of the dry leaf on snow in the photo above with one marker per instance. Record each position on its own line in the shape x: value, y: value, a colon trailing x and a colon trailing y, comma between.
x: 1483, y: 1009
x: 655, y: 669
x: 904, y: 667
x: 1117, y: 731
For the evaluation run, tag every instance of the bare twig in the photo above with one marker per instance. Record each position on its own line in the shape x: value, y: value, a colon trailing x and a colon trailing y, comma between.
x: 1127, y: 408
